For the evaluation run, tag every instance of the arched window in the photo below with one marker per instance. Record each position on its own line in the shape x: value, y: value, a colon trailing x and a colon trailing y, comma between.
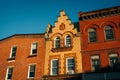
x: 68, y: 40
x: 92, y: 35
x: 57, y: 42
x: 109, y: 33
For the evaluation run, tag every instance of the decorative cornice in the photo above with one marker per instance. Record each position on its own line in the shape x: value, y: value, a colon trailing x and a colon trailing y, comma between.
x: 99, y: 13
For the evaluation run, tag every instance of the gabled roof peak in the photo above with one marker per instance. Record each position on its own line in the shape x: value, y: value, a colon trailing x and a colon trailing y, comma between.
x: 62, y: 13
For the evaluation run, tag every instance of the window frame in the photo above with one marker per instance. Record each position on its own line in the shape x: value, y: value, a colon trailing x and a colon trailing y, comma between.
x: 32, y: 48
x: 92, y: 30
x: 51, y: 70
x: 29, y: 67
x: 105, y: 33
x: 95, y: 57
x: 71, y: 71
x: 7, y: 72
x: 55, y: 41
x: 66, y: 41
x: 113, y: 55
x: 11, y: 52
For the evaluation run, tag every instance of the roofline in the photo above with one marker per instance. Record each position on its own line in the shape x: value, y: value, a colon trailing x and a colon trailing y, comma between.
x: 21, y: 35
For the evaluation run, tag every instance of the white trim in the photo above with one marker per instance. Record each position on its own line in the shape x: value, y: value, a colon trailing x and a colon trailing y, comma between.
x: 7, y: 72
x: 32, y: 47
x: 29, y: 70
x: 12, y: 50
x: 51, y: 73
x: 94, y: 57
x: 67, y: 72
x: 65, y: 40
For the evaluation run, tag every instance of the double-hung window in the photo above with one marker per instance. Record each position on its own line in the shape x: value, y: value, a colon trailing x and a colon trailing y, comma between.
x: 31, y: 71
x: 13, y: 52
x: 57, y: 42
x: 34, y: 48
x: 109, y: 33
x: 9, y: 73
x: 54, y: 67
x: 95, y: 63
x: 70, y: 65
x: 67, y: 41
x: 92, y: 35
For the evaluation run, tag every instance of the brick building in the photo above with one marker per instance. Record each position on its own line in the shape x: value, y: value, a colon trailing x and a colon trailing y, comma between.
x: 63, y: 56
x: 84, y: 50
x: 100, y: 40
x: 22, y: 57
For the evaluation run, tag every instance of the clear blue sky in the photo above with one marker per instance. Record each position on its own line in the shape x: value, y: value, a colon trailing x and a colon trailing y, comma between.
x: 32, y: 16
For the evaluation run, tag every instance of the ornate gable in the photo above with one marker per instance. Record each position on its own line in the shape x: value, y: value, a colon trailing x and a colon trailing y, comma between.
x: 62, y: 26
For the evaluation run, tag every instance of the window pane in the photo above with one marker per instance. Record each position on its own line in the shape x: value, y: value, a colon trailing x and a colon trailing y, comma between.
x: 68, y: 40
x: 70, y: 64
x: 34, y: 48
x: 109, y: 33
x: 32, y: 71
x: 13, y: 51
x: 54, y: 67
x: 95, y: 62
x: 92, y: 35
x: 10, y: 71
x: 57, y: 42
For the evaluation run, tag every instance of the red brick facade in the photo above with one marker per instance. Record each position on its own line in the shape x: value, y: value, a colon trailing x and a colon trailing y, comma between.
x: 102, y: 47
x: 23, y: 58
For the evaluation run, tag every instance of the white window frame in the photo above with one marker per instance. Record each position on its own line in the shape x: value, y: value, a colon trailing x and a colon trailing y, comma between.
x: 34, y: 64
x: 31, y: 53
x: 66, y: 41
x: 51, y: 73
x: 55, y: 41
x: 7, y: 72
x: 71, y: 72
x: 94, y: 57
x: 11, y: 51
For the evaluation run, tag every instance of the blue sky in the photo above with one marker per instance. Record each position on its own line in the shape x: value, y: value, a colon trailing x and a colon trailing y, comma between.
x: 32, y: 16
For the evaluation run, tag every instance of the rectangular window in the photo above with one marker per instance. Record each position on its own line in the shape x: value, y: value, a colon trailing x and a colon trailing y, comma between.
x: 54, y: 67
x: 95, y: 63
x: 31, y: 73
x: 113, y: 57
x: 70, y: 65
x: 34, y: 48
x: 9, y: 73
x: 13, y: 52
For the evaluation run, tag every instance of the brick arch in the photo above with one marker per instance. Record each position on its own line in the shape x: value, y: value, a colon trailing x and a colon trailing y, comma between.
x: 111, y: 23
x: 95, y: 26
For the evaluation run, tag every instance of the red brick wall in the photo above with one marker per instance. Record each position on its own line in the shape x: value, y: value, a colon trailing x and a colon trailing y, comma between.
x: 22, y: 59
x: 101, y: 47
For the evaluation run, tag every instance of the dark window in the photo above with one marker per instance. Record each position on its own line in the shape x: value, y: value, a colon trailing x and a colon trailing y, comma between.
x: 9, y: 75
x: 57, y: 42
x: 70, y: 65
x: 31, y: 71
x: 109, y: 33
x: 54, y: 67
x: 68, y: 41
x: 34, y: 48
x: 92, y: 35
x: 113, y: 59
x: 95, y: 62
x: 13, y: 53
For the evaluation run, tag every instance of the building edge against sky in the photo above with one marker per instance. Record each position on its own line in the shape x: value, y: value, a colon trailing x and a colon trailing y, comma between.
x: 66, y: 50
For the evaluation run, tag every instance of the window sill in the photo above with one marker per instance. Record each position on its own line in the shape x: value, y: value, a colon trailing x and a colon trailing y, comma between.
x: 30, y: 78
x: 62, y: 49
x: 32, y: 55
x: 12, y: 58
